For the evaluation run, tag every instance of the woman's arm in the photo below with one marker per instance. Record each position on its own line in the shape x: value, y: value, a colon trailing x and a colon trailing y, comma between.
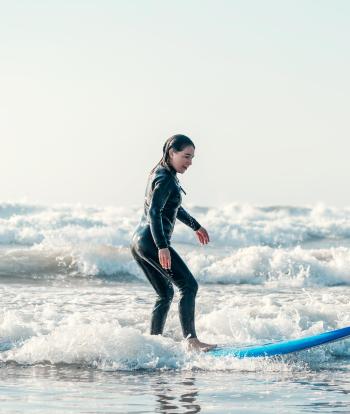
x: 187, y: 219
x: 159, y: 197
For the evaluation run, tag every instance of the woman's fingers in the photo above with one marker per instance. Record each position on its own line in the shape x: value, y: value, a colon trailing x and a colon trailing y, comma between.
x: 167, y: 263
x: 205, y: 236
x: 201, y: 239
x: 202, y: 235
x: 164, y: 258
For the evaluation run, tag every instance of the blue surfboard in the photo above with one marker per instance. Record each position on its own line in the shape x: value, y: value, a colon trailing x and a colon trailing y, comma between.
x: 281, y: 347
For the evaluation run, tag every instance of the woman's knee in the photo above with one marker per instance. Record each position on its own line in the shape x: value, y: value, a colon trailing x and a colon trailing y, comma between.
x: 191, y: 288
x: 194, y: 287
x: 167, y: 295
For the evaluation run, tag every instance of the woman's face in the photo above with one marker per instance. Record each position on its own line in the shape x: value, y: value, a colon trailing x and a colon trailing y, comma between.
x: 181, y: 160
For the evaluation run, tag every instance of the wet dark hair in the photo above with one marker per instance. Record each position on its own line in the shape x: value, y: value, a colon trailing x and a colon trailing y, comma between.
x: 178, y: 142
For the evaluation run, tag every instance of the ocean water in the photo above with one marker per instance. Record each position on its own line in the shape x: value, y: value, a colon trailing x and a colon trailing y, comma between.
x: 75, y: 314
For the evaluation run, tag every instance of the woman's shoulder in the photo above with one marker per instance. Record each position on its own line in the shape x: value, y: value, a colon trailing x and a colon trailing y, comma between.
x: 161, y: 171
x: 162, y: 175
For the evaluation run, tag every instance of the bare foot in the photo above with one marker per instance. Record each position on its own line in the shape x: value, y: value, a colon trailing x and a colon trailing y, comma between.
x: 194, y: 344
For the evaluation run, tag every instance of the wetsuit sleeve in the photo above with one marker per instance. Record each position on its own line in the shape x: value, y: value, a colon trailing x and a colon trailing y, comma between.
x: 183, y: 216
x: 160, y: 195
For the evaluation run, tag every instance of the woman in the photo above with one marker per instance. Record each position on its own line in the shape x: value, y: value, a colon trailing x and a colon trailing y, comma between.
x: 151, y: 247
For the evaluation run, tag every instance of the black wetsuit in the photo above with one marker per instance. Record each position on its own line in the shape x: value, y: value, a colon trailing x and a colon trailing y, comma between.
x: 161, y: 208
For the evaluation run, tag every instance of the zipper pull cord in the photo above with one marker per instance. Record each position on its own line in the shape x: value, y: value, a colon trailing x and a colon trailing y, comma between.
x: 178, y: 183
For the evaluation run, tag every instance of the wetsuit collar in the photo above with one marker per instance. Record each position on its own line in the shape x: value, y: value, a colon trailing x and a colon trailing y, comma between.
x: 169, y: 168
x: 172, y: 170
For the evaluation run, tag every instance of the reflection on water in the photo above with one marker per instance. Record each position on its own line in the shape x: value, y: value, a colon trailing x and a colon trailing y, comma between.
x: 67, y: 388
x: 182, y: 395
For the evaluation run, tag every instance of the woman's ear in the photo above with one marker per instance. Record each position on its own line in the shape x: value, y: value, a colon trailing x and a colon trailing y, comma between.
x: 171, y: 152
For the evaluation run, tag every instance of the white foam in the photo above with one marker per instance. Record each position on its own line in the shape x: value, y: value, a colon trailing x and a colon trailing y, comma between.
x: 279, y: 267
x: 235, y: 225
x: 107, y: 327
x: 253, y: 265
x: 249, y: 244
x: 274, y: 289
x: 109, y: 347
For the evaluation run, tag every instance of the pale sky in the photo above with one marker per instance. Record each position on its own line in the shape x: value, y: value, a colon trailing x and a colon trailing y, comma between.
x: 90, y: 90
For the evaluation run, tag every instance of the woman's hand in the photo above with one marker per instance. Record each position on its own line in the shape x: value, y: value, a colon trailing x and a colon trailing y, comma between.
x: 202, y: 235
x: 164, y: 258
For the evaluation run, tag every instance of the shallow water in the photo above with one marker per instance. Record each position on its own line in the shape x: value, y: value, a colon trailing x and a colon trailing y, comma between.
x: 75, y: 314
x: 43, y: 389
x: 82, y: 346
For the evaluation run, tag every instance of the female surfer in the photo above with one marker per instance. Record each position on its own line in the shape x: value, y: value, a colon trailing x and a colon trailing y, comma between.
x: 151, y: 247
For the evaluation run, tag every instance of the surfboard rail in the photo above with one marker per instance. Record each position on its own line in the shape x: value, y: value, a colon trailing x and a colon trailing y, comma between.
x: 281, y: 347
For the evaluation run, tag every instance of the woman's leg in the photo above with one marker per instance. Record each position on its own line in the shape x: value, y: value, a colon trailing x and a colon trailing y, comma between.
x: 145, y: 253
x: 164, y: 289
x: 179, y: 274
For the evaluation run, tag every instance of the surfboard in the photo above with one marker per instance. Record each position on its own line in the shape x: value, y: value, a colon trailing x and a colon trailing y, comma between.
x: 281, y: 347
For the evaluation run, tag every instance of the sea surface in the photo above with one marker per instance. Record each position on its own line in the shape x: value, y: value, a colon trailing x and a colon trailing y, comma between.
x: 75, y: 311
